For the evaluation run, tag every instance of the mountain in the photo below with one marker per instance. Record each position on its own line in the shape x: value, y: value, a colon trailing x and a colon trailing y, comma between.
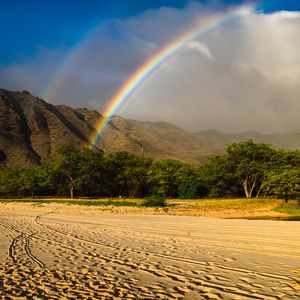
x: 217, y: 141
x: 31, y: 130
x: 163, y: 140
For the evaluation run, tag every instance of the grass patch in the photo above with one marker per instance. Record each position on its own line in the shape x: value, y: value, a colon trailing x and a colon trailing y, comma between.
x: 290, y: 209
x: 154, y: 202
x: 254, y: 208
x: 97, y: 202
x: 203, y: 204
x: 235, y: 204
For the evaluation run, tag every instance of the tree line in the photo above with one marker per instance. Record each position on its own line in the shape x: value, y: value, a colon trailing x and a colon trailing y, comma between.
x: 245, y: 169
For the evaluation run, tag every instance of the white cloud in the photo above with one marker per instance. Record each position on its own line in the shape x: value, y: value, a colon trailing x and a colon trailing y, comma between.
x: 33, y: 74
x: 200, y: 47
x: 250, y: 81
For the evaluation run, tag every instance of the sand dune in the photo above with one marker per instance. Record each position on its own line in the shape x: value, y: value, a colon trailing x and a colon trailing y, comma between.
x: 47, y: 253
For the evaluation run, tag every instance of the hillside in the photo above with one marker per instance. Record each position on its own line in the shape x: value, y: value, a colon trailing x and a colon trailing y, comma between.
x: 31, y: 130
x: 217, y: 141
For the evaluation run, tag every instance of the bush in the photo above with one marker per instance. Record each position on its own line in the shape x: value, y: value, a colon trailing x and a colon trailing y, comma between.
x: 154, y: 202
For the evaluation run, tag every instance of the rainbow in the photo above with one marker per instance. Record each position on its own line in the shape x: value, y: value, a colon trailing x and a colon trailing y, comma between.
x: 145, y: 70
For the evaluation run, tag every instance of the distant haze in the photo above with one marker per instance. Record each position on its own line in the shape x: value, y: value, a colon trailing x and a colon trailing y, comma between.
x: 243, y: 75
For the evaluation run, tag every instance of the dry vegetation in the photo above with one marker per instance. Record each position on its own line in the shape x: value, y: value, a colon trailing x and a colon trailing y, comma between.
x: 217, y: 208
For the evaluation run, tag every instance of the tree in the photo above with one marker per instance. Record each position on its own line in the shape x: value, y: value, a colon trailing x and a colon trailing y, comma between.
x: 92, y: 173
x: 172, y: 179
x: 242, y: 168
x: 36, y: 180
x: 284, y: 180
x: 283, y: 183
x: 219, y: 178
x: 162, y: 177
x: 249, y: 162
x: 76, y: 168
x: 190, y: 185
x: 289, y: 158
x: 127, y: 174
x: 10, y: 182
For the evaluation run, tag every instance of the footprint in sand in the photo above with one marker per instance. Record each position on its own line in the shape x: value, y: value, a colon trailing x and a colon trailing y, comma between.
x: 228, y: 259
x: 221, y: 278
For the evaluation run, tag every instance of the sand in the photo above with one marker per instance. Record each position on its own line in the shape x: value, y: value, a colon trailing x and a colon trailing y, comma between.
x: 55, y: 252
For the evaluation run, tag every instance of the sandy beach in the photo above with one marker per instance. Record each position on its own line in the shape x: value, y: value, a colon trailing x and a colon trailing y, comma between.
x: 47, y: 252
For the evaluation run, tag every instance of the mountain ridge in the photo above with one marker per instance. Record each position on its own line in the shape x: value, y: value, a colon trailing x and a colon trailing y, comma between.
x: 31, y: 130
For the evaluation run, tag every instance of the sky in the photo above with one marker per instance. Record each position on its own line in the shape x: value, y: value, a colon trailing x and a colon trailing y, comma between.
x: 243, y: 74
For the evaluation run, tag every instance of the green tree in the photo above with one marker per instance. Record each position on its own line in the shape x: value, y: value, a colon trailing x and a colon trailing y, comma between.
x: 75, y: 168
x: 172, y: 179
x: 249, y: 162
x: 126, y: 174
x: 92, y: 173
x: 10, y: 184
x: 283, y: 183
x: 290, y: 158
x: 189, y: 182
x: 37, y: 180
x: 162, y: 178
x: 219, y: 178
x: 243, y: 167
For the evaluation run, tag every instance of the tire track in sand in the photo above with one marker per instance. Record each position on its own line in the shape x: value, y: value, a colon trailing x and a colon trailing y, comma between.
x: 19, y: 244
x: 165, y: 256
x: 176, y: 276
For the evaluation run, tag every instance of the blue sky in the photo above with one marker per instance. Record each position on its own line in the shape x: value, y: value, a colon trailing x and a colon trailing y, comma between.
x: 26, y: 25
x: 80, y: 53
